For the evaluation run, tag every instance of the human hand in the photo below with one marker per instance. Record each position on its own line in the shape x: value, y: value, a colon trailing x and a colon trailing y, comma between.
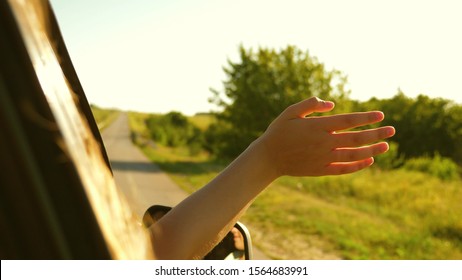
x: 299, y: 145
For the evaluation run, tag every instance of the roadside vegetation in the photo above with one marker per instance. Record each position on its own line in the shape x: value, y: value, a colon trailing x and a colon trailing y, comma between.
x: 103, y: 116
x: 374, y: 214
x: 407, y: 206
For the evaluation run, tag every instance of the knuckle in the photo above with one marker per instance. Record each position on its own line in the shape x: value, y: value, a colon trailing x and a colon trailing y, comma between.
x: 356, y: 139
x: 315, y: 99
x: 384, y: 133
x: 349, y: 121
x: 351, y: 156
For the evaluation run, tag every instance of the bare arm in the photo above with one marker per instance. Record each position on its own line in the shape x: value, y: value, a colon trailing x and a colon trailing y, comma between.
x: 292, y: 145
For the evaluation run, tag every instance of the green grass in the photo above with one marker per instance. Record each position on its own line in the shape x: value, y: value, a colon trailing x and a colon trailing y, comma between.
x: 103, y: 117
x: 188, y: 172
x: 372, y: 214
x: 368, y: 215
x: 136, y: 123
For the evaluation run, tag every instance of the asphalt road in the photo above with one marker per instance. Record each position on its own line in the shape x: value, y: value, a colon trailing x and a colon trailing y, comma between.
x: 143, y: 183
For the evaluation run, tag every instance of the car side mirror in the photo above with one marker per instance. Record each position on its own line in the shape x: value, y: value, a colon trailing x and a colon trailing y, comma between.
x: 236, y: 245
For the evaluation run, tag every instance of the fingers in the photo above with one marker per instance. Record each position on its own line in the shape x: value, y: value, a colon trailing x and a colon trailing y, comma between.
x: 347, y: 121
x: 357, y: 154
x: 349, y: 160
x: 308, y: 106
x: 360, y: 138
x: 338, y: 168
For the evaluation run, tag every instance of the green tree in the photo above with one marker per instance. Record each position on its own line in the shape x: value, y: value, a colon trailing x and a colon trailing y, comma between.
x: 454, y: 126
x: 425, y: 126
x: 260, y: 86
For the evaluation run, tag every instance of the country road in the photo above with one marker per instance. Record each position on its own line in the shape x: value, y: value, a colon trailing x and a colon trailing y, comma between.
x: 143, y: 183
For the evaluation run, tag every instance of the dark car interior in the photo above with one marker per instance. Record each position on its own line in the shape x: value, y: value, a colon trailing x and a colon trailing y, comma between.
x: 45, y: 212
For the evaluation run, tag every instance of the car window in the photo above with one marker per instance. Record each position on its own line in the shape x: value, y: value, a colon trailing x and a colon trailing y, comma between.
x: 60, y: 176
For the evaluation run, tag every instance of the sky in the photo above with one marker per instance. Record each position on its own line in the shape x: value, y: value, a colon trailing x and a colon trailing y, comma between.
x: 165, y: 55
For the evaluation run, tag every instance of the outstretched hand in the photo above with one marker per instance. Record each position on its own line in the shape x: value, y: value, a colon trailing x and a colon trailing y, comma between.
x: 293, y: 144
x: 313, y: 146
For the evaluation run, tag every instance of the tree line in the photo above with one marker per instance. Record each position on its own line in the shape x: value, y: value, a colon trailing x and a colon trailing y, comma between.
x: 265, y: 81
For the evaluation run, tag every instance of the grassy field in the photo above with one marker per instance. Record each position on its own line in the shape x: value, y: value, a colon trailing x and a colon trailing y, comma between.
x: 372, y: 214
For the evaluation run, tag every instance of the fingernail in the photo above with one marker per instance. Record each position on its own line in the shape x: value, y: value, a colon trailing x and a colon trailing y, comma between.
x: 379, y: 115
x: 328, y: 104
x: 385, y: 147
x: 391, y: 131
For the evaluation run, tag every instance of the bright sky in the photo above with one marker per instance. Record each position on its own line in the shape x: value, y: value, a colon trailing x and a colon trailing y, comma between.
x: 164, y: 55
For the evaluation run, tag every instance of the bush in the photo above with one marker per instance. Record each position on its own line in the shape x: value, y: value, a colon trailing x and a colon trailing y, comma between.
x: 391, y: 159
x: 174, y: 130
x: 438, y: 166
x: 223, y: 142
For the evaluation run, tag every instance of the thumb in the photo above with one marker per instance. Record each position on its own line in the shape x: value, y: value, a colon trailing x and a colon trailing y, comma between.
x: 308, y: 106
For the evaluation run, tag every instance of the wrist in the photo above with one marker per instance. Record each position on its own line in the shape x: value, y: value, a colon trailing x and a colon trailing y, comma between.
x: 266, y: 164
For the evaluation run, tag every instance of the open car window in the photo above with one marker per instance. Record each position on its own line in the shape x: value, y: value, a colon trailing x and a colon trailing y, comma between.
x: 58, y: 196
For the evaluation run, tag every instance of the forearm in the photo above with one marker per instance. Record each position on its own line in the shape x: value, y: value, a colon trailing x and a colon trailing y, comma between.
x: 196, y: 224
x: 292, y: 145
